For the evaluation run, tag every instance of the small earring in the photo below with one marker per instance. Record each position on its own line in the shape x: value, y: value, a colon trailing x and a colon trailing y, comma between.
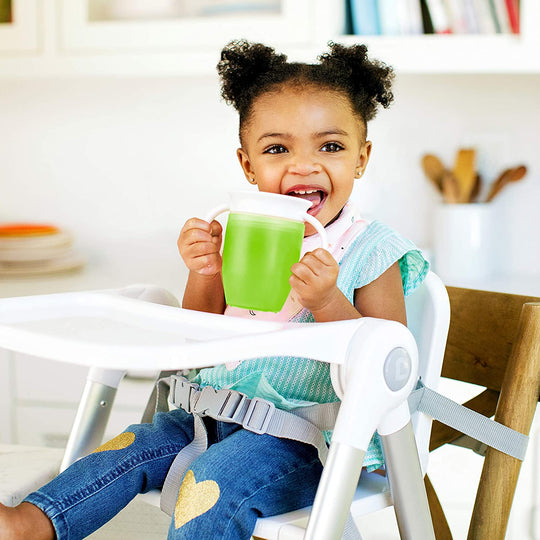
x: 252, y: 180
x: 359, y: 173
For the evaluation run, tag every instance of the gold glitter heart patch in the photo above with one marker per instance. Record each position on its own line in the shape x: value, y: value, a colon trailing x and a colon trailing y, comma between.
x: 194, y: 499
x: 118, y: 443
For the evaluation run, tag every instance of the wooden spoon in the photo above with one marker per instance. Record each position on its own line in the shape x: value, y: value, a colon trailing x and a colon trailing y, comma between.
x: 518, y: 173
x: 450, y: 188
x: 434, y: 170
x: 476, y: 189
x: 465, y: 173
x: 506, y: 177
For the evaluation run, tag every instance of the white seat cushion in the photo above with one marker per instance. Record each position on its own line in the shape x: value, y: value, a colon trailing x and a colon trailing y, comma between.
x: 23, y: 469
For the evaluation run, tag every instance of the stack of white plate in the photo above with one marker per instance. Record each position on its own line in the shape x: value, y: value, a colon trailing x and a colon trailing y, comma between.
x: 33, y: 249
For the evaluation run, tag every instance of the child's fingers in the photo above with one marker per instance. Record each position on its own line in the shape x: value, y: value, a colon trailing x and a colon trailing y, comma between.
x: 302, y: 273
x: 199, y: 244
x: 192, y: 237
x: 196, y: 223
x: 199, y: 249
x: 196, y: 230
x: 202, y: 257
x: 215, y: 228
x: 320, y: 262
x: 298, y: 284
x: 322, y: 255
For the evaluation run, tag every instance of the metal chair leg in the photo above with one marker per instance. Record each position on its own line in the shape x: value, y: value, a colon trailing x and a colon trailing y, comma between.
x: 335, y: 493
x: 92, y: 415
x: 407, y: 485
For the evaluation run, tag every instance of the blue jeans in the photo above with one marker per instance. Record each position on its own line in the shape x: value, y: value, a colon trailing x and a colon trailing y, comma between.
x: 242, y: 476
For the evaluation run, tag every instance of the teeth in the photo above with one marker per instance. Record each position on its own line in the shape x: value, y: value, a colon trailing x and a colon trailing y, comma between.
x: 306, y: 191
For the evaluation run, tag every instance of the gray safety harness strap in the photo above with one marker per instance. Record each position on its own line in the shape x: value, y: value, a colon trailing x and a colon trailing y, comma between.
x: 257, y: 415
x: 469, y: 422
x: 305, y: 424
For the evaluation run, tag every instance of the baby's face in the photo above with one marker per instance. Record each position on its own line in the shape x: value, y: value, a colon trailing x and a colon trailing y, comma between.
x: 305, y: 143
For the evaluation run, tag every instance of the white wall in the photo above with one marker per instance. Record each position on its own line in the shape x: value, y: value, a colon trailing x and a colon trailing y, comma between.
x: 125, y: 158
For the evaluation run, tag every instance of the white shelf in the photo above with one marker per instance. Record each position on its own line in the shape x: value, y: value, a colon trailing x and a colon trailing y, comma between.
x: 57, y: 39
x: 446, y: 54
x: 483, y: 53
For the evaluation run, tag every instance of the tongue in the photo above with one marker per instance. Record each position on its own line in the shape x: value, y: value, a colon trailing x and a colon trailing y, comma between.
x: 315, y: 198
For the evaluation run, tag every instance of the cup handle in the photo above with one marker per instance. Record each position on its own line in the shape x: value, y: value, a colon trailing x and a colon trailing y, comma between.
x: 213, y: 214
x: 319, y: 228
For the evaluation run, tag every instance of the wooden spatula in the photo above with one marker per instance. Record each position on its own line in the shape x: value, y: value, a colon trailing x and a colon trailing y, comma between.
x: 476, y: 189
x: 465, y: 173
x: 450, y: 188
x: 434, y: 170
x: 506, y: 177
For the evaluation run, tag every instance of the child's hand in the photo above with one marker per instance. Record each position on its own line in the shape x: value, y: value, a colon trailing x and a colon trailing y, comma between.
x: 314, y: 280
x: 199, y: 244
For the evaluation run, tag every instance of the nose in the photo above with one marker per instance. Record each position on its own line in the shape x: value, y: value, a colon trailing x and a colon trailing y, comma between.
x: 304, y: 164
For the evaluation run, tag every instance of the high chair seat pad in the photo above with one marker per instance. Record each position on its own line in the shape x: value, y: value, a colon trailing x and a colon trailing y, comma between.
x: 24, y: 469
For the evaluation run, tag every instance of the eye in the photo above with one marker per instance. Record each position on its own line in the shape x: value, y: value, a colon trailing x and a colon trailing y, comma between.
x: 331, y: 147
x: 275, y: 149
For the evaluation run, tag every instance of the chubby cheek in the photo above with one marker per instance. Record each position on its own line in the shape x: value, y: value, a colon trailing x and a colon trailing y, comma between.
x: 269, y: 183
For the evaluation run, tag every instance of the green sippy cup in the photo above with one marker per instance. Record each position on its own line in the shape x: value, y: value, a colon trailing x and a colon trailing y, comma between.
x: 263, y: 239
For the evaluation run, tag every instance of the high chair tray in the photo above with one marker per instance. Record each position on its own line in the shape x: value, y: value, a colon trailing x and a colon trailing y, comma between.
x: 108, y: 330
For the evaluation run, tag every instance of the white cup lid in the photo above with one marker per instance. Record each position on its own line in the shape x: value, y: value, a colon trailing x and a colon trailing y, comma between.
x: 269, y: 204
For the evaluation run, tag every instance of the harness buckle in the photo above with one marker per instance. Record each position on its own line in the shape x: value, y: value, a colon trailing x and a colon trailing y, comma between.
x: 252, y: 420
x: 181, y: 392
x: 232, y: 407
x: 223, y: 405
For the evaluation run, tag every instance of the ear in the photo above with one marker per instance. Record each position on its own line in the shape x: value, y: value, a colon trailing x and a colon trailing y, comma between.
x: 363, y: 158
x: 245, y: 163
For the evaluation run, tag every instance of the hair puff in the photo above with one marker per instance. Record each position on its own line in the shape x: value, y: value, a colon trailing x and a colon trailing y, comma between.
x: 248, y: 70
x: 240, y: 68
x: 368, y: 82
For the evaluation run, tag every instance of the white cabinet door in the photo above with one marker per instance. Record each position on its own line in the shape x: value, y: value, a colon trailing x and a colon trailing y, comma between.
x: 44, y: 396
x: 294, y: 23
x: 22, y: 34
x: 6, y: 396
x: 43, y: 425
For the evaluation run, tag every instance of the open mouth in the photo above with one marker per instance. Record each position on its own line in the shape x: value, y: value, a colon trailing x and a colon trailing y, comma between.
x: 315, y: 195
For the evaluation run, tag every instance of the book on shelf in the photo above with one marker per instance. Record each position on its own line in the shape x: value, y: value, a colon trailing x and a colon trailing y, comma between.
x: 486, y: 22
x: 390, y: 18
x: 365, y: 17
x: 512, y: 8
x: 400, y: 17
x: 460, y: 16
x: 407, y: 17
x: 427, y: 23
x: 501, y: 17
x: 411, y: 11
x: 439, y: 12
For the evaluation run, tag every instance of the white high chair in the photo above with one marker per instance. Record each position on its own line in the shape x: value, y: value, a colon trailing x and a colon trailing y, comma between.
x: 375, y: 366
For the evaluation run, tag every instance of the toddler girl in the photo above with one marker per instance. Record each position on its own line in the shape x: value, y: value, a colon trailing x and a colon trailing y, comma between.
x: 303, y: 134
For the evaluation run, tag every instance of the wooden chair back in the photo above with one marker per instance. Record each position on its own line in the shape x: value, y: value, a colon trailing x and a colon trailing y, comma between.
x: 493, y: 342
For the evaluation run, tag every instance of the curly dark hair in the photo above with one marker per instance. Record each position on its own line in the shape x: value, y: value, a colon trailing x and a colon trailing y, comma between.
x: 248, y: 70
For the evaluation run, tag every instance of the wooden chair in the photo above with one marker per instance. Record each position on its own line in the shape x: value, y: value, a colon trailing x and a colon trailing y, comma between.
x: 494, y: 342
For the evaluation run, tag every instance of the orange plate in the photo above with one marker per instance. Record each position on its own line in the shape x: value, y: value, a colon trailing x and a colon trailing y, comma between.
x: 27, y: 229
